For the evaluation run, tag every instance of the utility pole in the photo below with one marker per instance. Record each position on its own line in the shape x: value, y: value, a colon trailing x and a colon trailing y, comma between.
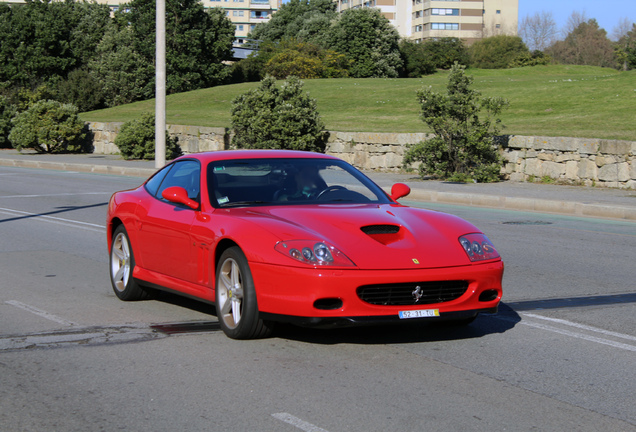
x: 160, y: 85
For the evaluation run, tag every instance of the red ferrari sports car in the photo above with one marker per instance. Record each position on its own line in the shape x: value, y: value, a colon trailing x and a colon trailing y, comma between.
x: 271, y: 235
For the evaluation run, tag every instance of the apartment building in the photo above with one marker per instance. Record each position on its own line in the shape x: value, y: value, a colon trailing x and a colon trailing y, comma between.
x: 245, y: 14
x: 469, y: 20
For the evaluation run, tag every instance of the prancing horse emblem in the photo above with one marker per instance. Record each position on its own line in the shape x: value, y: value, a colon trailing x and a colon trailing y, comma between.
x: 417, y: 293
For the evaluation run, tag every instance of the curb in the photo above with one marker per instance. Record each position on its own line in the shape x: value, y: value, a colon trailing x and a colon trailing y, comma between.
x: 571, y: 208
x: 98, y: 169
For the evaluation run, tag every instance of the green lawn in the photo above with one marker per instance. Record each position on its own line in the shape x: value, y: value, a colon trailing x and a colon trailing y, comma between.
x: 574, y: 101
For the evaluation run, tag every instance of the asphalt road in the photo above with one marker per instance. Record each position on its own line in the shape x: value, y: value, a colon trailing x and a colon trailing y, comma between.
x: 560, y: 355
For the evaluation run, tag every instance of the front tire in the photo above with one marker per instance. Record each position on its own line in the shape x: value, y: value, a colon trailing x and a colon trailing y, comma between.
x: 122, y: 264
x: 236, y: 305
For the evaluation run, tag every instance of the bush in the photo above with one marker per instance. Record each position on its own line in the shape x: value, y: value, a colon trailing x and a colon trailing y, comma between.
x: 536, y: 58
x: 81, y: 89
x: 48, y: 126
x: 445, y: 52
x: 306, y: 60
x: 497, y: 52
x: 277, y: 118
x: 416, y: 60
x: 136, y: 139
x: 463, y: 147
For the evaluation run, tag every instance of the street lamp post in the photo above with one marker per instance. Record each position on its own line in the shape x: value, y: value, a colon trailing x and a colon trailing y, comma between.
x: 160, y: 85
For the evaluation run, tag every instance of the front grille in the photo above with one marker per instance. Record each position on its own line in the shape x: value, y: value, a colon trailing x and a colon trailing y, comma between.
x: 405, y: 294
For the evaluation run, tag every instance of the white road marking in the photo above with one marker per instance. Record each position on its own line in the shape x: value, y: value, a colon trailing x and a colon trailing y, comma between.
x: 52, y: 219
x: 40, y: 313
x: 298, y: 423
x: 574, y: 334
x: 582, y: 326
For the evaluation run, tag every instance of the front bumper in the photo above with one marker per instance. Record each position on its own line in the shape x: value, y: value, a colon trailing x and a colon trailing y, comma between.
x: 304, y: 295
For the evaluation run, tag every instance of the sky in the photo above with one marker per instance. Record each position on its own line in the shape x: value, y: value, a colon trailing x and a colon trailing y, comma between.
x: 608, y: 13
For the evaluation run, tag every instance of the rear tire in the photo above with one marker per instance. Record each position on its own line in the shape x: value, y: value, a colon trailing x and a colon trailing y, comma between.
x: 122, y: 264
x: 236, y: 305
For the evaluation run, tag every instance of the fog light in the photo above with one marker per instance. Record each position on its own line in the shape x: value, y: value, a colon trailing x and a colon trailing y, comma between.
x: 328, y: 303
x: 488, y: 295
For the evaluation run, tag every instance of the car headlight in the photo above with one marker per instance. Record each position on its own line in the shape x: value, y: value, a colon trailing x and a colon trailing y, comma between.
x: 313, y: 252
x: 478, y: 247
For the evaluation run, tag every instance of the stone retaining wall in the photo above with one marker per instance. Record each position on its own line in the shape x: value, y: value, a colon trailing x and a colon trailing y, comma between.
x: 591, y: 162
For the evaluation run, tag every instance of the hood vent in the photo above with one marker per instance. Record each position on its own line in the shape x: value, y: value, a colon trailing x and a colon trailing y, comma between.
x: 380, y: 229
x: 385, y: 234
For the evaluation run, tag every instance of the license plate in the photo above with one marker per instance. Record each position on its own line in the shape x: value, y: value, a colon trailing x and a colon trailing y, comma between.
x: 422, y: 313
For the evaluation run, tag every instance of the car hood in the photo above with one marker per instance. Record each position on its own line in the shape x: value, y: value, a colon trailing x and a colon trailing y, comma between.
x: 372, y: 236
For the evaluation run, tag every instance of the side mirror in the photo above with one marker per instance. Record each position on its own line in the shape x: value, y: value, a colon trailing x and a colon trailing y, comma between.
x: 399, y: 190
x: 178, y: 195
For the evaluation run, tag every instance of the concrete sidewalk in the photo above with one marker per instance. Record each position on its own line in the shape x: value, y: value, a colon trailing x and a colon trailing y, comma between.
x: 560, y: 199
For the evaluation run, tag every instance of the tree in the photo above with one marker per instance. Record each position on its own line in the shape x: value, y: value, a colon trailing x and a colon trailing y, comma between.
x: 587, y: 44
x: 197, y: 42
x: 299, y: 19
x: 48, y: 126
x: 497, y: 52
x: 40, y: 40
x: 125, y: 75
x: 7, y: 111
x: 538, y: 31
x: 136, y: 139
x: 366, y: 37
x: 621, y: 29
x: 626, y: 49
x: 464, y: 125
x: 269, y: 117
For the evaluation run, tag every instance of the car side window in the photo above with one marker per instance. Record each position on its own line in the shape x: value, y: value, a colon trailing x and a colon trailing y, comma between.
x: 185, y: 174
x: 152, y: 185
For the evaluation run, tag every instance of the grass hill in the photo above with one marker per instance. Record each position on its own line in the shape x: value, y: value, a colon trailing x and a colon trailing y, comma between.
x: 574, y: 101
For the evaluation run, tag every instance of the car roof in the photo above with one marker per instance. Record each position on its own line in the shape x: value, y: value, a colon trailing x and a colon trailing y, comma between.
x: 254, y: 154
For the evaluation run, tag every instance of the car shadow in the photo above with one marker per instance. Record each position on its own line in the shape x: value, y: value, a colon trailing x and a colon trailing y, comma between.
x: 57, y: 210
x: 403, y: 333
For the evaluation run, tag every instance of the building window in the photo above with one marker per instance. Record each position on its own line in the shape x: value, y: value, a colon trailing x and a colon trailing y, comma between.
x: 258, y: 14
x: 498, y: 12
x: 417, y: 28
x: 239, y: 27
x: 444, y: 12
x: 444, y: 26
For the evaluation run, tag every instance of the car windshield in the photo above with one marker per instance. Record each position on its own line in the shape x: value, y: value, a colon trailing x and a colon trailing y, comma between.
x: 253, y: 182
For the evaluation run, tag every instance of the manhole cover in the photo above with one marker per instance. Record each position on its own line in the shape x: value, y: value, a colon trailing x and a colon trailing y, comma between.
x: 527, y: 222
